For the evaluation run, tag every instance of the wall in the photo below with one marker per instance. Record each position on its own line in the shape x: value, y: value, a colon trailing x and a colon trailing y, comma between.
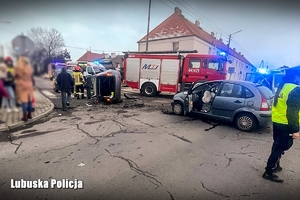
x: 240, y: 71
x: 185, y: 43
x: 195, y: 43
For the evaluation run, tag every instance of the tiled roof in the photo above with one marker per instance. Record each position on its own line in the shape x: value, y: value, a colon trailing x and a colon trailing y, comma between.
x: 90, y: 57
x: 177, y: 25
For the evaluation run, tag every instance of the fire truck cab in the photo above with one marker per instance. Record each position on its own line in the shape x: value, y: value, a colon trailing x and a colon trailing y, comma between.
x: 155, y: 72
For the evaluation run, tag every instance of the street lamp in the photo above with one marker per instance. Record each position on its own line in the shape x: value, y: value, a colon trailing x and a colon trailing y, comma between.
x: 230, y: 40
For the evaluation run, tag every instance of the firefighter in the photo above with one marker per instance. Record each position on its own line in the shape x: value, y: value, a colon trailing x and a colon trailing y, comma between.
x: 9, y: 63
x: 79, y: 82
x: 10, y: 68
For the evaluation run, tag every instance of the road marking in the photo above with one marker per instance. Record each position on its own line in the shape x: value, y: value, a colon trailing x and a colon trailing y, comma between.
x: 49, y: 94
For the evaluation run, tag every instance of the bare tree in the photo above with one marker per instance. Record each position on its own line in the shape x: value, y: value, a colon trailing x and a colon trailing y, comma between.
x: 51, y: 41
x: 49, y: 44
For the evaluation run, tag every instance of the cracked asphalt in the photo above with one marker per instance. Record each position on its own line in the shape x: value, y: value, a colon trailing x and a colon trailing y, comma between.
x: 128, y: 152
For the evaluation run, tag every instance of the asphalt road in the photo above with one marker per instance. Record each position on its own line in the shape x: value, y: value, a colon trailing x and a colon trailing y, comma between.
x: 125, y: 151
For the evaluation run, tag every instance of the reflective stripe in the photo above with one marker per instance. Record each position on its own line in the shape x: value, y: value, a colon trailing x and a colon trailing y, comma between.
x: 77, y: 76
x: 279, y: 112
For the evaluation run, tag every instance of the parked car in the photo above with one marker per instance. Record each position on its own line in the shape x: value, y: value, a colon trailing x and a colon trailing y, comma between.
x: 246, y: 104
x: 55, y: 85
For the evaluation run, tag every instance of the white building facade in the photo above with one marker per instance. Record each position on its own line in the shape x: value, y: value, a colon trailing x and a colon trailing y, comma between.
x: 177, y: 34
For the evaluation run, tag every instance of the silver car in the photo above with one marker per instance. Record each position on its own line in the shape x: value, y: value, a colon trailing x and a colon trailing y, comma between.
x: 246, y: 104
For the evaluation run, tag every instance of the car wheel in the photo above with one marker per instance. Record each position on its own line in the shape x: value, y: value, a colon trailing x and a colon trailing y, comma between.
x: 177, y: 108
x: 149, y: 90
x: 246, y: 122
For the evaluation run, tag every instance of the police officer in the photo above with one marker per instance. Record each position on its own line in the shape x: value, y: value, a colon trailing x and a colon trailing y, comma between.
x: 79, y: 82
x: 285, y: 118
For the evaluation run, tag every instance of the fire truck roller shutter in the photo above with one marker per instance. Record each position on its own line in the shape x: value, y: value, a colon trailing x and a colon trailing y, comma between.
x: 150, y: 73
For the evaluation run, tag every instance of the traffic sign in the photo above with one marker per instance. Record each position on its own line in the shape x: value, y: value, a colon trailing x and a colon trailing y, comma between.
x: 23, y: 45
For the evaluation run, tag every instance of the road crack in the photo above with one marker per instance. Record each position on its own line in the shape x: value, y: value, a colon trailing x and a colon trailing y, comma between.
x: 229, y: 160
x: 181, y: 138
x: 134, y: 167
x: 171, y: 196
x: 211, y: 191
x: 96, y: 158
x: 62, y: 147
x: 248, y: 195
x: 18, y: 146
x: 89, y: 135
x: 245, y: 147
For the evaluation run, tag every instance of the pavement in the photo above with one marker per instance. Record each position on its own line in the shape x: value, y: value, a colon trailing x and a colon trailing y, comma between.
x: 13, y: 120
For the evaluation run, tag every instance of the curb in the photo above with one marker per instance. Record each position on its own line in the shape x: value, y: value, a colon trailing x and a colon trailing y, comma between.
x: 35, y: 118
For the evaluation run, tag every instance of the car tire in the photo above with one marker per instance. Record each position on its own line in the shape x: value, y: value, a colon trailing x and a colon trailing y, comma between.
x: 149, y: 90
x: 177, y: 108
x: 246, y: 122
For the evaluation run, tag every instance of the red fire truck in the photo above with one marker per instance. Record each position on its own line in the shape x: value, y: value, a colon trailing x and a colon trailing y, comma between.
x: 155, y: 72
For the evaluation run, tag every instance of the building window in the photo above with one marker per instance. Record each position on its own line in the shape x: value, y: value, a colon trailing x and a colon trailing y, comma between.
x: 175, y: 46
x: 209, y: 51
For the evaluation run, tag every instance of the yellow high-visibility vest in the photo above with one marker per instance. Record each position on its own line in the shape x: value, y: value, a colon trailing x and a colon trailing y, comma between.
x: 11, y: 70
x: 77, y: 78
x: 279, y: 112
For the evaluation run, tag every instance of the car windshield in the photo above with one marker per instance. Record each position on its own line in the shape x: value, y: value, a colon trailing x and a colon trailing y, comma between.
x: 265, y: 92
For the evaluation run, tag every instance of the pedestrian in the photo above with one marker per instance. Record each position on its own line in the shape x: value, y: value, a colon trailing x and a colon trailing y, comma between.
x: 24, y: 86
x: 8, y: 81
x: 79, y: 82
x: 65, y: 83
x: 285, y: 118
x: 3, y: 92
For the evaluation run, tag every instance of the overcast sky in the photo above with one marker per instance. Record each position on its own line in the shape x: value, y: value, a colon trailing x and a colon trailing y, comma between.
x: 270, y: 29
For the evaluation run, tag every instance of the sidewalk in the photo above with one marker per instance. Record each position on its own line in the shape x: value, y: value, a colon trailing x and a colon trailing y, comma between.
x: 12, y: 120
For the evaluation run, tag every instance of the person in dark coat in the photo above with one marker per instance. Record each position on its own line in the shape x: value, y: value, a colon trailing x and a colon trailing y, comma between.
x: 285, y: 117
x: 65, y: 82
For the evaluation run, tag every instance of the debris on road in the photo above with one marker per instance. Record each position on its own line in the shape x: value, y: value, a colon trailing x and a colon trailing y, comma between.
x: 81, y: 165
x: 128, y: 97
x: 165, y: 111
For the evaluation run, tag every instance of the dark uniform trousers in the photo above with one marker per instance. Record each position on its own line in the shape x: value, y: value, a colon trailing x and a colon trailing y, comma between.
x: 81, y: 88
x: 282, y: 142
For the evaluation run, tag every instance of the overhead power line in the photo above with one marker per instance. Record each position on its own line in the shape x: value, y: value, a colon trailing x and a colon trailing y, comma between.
x: 95, y: 50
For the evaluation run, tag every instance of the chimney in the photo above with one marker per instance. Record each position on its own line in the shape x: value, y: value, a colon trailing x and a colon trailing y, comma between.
x: 221, y: 40
x: 212, y: 34
x: 197, y: 23
x: 233, y: 49
x: 240, y: 53
x: 177, y: 10
x: 113, y: 55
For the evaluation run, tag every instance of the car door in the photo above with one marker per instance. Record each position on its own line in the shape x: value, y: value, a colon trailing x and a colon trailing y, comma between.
x: 228, y: 100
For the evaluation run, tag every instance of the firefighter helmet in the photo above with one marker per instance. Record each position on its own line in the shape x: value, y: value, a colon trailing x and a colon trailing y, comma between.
x: 77, y: 68
x: 7, y: 59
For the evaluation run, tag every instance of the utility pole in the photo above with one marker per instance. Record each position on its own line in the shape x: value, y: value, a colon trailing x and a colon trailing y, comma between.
x: 228, y: 46
x: 148, y: 25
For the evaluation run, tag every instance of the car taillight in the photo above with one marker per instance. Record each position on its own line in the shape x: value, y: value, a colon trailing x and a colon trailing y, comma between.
x: 264, y: 105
